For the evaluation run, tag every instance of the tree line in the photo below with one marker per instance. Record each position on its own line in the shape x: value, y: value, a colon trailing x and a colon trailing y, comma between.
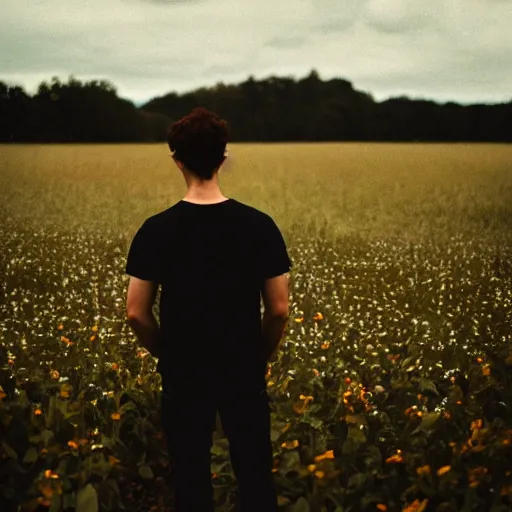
x: 266, y: 110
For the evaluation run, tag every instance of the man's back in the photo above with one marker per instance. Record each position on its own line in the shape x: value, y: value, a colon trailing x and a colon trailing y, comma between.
x: 211, y: 261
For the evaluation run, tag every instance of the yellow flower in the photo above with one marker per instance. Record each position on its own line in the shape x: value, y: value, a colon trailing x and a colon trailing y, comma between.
x: 442, y: 471
x: 416, y: 506
x: 319, y: 474
x: 423, y: 470
x: 475, y: 474
x: 65, y: 340
x: 290, y: 445
x: 301, y: 407
x: 60, y: 327
x: 300, y: 319
x: 38, y: 412
x: 318, y: 316
x: 311, y: 468
x: 94, y: 328
x: 73, y: 444
x: 486, y: 370
x: 329, y: 454
x: 116, y: 416
x: 477, y: 424
x: 92, y: 338
x: 325, y: 345
x: 395, y: 459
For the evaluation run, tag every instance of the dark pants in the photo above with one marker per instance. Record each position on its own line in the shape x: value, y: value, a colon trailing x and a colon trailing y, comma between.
x: 189, y: 420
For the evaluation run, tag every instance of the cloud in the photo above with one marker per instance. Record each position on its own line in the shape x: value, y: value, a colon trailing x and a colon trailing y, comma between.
x: 442, y: 50
x: 398, y: 16
x: 172, y: 2
x: 286, y: 42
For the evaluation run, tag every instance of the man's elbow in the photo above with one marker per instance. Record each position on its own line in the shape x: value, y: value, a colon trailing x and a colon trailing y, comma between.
x: 135, y: 317
x: 281, y: 313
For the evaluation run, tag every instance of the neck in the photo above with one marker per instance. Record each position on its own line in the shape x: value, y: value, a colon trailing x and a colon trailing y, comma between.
x: 206, y: 191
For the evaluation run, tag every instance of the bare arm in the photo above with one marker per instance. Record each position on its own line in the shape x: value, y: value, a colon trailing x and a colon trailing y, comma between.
x: 275, y: 317
x: 139, y: 310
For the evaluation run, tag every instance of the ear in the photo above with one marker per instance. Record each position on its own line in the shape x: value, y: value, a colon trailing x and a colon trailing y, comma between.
x: 179, y: 164
x: 222, y: 161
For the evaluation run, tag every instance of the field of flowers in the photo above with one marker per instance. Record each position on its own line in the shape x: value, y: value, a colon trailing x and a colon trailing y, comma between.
x: 393, y: 388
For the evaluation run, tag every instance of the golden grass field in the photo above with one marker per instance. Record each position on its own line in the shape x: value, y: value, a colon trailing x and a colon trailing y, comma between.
x: 408, y: 190
x: 393, y: 387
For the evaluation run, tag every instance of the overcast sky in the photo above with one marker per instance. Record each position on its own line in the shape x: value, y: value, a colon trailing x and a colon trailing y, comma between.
x: 444, y: 50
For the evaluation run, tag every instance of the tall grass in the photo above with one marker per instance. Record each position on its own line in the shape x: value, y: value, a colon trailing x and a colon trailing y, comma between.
x: 405, y: 190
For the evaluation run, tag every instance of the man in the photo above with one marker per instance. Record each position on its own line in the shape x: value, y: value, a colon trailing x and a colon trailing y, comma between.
x: 215, y: 258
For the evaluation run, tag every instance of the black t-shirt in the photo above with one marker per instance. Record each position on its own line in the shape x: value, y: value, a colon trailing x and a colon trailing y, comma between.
x: 210, y: 260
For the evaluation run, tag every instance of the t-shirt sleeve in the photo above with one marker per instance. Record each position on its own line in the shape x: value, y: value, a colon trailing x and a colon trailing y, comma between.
x: 275, y: 258
x: 142, y: 260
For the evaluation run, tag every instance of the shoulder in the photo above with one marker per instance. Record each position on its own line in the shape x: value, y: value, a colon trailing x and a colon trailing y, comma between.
x: 253, y: 214
x: 161, y: 218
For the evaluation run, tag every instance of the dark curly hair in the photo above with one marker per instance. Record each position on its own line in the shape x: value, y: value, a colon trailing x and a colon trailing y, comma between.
x: 199, y: 141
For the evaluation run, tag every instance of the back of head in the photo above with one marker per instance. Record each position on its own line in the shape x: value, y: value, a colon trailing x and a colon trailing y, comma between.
x: 199, y: 142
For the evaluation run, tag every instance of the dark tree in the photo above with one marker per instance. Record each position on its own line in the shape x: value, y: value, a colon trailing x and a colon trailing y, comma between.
x: 270, y: 109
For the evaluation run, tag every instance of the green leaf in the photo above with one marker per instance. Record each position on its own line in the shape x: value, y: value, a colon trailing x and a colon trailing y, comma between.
x: 46, y: 436
x: 356, y: 482
x: 275, y: 434
x: 62, y: 466
x: 221, y: 467
x: 219, y: 450
x: 429, y: 419
x: 87, y: 499
x: 428, y: 385
x: 301, y: 505
x: 373, y: 457
x: 146, y: 473
x: 128, y: 406
x: 30, y: 456
x: 9, y: 451
x: 316, y: 423
x: 108, y: 442
x: 68, y: 501
x: 289, y: 461
x: 56, y: 503
x: 348, y: 447
x: 356, y: 419
x: 355, y: 439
